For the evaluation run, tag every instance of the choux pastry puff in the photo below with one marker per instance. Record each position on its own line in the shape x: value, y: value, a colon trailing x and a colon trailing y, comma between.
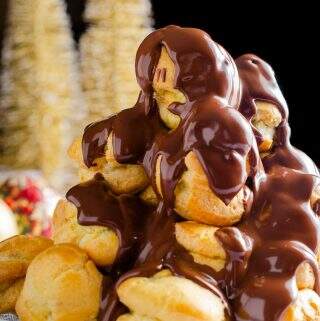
x: 138, y: 256
x: 62, y: 283
x: 16, y: 254
x: 193, y: 197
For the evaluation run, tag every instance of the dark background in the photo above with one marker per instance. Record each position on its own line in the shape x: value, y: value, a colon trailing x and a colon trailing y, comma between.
x: 285, y: 37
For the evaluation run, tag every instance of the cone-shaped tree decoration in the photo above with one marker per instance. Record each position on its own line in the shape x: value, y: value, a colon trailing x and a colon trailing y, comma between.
x: 40, y: 96
x: 116, y: 27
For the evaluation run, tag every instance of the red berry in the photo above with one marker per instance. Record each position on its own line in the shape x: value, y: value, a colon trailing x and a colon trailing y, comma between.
x: 32, y: 194
x: 27, y: 210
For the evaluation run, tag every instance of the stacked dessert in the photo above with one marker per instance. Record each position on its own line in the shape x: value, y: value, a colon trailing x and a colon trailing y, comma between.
x: 193, y: 205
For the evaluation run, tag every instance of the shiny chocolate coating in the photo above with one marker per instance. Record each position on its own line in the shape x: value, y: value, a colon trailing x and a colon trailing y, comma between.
x: 259, y: 83
x: 279, y: 231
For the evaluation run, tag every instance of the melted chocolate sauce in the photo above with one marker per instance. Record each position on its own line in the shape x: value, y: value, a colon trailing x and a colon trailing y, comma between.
x: 285, y: 233
x: 222, y: 139
x: 286, y: 155
x: 238, y: 247
x: 259, y: 84
x: 280, y: 232
x: 160, y: 251
x: 316, y: 207
x: 133, y: 132
x: 124, y: 214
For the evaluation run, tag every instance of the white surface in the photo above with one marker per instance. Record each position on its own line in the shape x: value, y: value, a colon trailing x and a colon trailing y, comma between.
x: 8, y: 225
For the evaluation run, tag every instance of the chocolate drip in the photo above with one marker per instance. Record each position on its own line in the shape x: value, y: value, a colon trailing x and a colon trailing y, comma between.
x: 282, y: 222
x: 284, y: 231
x: 161, y: 251
x: 110, y: 306
x: 208, y: 78
x: 202, y: 66
x: 259, y: 83
x: 124, y: 214
x: 218, y: 135
x: 133, y: 131
x: 222, y: 141
x: 290, y: 157
x: 278, y: 233
x: 239, y: 248
x: 94, y: 140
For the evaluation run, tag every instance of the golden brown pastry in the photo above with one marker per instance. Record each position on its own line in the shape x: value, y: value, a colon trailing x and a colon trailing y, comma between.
x: 266, y: 120
x: 305, y: 308
x: 17, y: 253
x: 9, y: 293
x: 122, y: 178
x: 130, y: 178
x: 164, y: 91
x: 168, y: 297
x: 194, y: 200
x: 75, y: 151
x: 305, y: 276
x: 200, y: 241
x: 135, y: 317
x: 149, y: 196
x: 61, y: 284
x: 100, y: 243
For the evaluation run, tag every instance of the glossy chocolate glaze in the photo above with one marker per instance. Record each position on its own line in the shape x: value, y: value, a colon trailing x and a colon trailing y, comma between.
x: 279, y: 231
x: 133, y: 133
x: 159, y: 251
x: 259, y: 83
x: 222, y: 139
x: 124, y: 214
x: 285, y: 233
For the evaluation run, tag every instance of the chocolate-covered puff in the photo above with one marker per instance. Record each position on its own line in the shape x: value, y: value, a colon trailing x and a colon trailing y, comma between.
x: 194, y: 131
x: 203, y: 67
x: 258, y: 84
x: 207, y: 76
x: 265, y: 107
x: 210, y: 130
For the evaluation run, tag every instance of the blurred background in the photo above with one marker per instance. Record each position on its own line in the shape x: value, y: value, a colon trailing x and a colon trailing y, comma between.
x: 65, y: 63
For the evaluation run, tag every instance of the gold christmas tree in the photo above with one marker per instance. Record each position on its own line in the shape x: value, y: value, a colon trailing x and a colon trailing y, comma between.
x: 41, y: 95
x: 116, y: 27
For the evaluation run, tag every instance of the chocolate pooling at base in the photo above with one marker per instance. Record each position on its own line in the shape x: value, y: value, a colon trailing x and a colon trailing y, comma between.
x: 280, y: 230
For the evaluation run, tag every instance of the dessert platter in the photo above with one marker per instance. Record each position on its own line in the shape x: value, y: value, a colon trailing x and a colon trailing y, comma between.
x: 192, y: 205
